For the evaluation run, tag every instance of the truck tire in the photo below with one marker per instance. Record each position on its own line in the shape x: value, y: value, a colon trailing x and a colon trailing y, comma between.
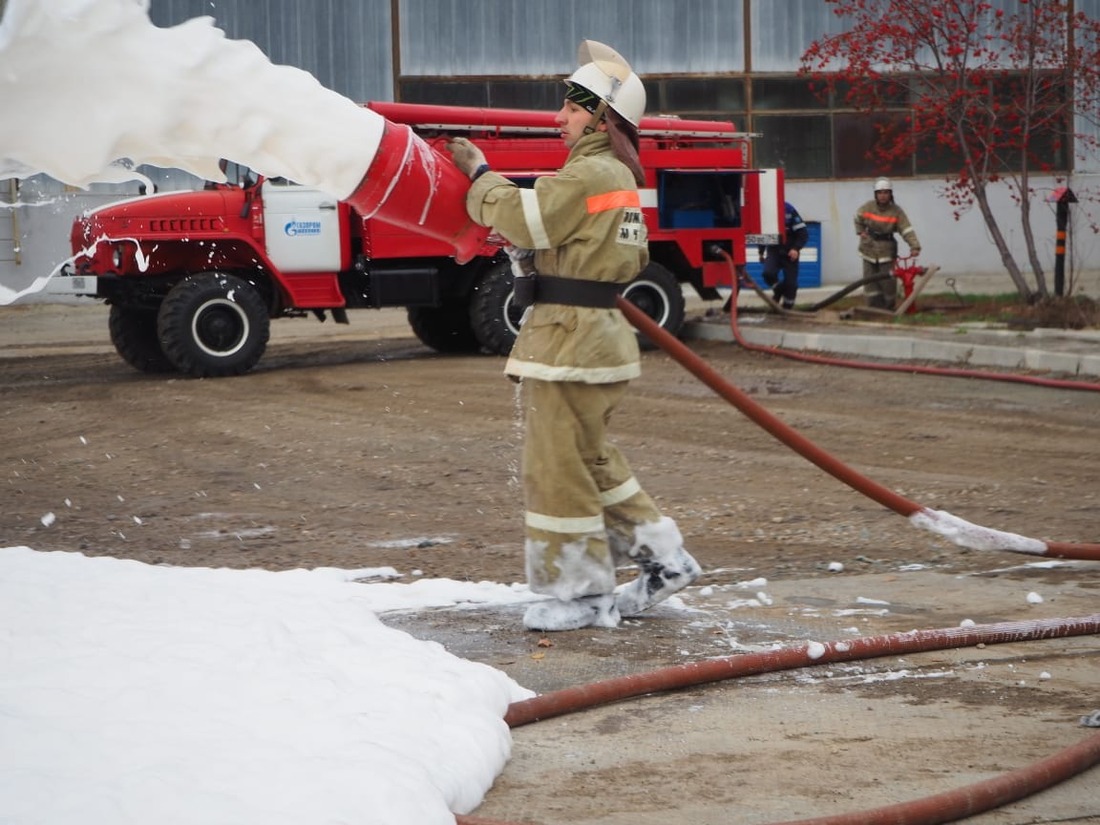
x: 494, y: 316
x: 657, y: 293
x: 496, y: 321
x: 444, y: 328
x: 134, y: 334
x: 212, y: 324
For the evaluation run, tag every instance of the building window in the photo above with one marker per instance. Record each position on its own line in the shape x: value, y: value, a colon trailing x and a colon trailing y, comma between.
x: 854, y: 137
x: 784, y: 93
x: 716, y: 95
x: 497, y: 93
x: 798, y: 144
x: 808, y: 134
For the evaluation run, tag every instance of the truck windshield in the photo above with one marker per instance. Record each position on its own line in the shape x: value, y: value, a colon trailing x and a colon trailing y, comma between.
x: 237, y: 174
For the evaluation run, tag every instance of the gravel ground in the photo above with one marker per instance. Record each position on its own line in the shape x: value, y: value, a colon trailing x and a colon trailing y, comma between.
x: 357, y: 447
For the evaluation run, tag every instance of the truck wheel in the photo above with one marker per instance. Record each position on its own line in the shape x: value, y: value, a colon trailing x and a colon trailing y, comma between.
x: 494, y: 316
x: 496, y: 320
x: 445, y: 328
x: 657, y: 293
x: 212, y: 324
x: 134, y: 334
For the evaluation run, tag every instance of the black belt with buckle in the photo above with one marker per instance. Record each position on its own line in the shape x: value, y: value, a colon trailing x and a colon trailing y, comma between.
x: 576, y: 292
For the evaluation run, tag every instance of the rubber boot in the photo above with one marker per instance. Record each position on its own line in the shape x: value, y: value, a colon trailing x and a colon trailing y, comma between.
x: 410, y: 184
x: 587, y: 611
x: 666, y: 566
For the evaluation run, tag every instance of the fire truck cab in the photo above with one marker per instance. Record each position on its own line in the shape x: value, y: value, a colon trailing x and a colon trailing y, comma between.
x: 194, y: 278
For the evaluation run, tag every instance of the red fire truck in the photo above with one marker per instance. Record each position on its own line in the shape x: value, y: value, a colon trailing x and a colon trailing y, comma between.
x: 194, y: 278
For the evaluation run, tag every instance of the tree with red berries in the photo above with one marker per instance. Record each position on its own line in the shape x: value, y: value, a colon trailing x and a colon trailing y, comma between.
x: 993, y: 94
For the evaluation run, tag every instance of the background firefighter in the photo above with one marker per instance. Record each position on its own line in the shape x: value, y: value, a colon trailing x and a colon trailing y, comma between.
x: 877, y: 222
x: 575, y: 355
x: 783, y: 257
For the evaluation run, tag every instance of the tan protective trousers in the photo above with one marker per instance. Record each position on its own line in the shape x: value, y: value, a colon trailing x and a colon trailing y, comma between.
x: 581, y: 497
x: 886, y: 291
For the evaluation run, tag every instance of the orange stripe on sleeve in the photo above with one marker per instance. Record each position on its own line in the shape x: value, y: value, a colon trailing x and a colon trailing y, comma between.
x: 613, y: 200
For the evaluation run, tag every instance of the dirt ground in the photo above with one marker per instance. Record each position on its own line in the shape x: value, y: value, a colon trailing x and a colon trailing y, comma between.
x: 358, y: 447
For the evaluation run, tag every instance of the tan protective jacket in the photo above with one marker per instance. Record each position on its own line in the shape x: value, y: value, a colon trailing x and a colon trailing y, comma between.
x: 880, y: 223
x: 585, y: 222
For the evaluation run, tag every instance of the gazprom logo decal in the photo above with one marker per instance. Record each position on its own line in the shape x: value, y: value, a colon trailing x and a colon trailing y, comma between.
x: 293, y: 228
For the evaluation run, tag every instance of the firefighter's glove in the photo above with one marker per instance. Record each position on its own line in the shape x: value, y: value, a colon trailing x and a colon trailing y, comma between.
x: 524, y: 280
x: 467, y: 157
x: 523, y: 260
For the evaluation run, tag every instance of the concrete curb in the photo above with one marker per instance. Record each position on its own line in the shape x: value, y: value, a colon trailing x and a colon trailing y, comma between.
x: 1023, y: 352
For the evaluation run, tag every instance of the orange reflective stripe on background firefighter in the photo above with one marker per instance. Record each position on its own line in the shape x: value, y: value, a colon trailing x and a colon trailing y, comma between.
x: 889, y: 222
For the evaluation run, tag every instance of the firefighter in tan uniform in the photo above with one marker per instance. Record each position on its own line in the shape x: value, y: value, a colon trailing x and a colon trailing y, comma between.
x: 575, y: 355
x: 877, y: 222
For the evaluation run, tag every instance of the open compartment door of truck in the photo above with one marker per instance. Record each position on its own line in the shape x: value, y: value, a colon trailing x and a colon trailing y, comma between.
x: 764, y: 224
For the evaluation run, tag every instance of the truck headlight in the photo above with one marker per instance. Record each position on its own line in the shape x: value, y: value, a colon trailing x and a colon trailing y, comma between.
x: 116, y: 256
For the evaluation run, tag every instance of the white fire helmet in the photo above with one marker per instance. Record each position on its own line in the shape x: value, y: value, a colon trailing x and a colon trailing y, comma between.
x: 606, y: 75
x: 883, y: 184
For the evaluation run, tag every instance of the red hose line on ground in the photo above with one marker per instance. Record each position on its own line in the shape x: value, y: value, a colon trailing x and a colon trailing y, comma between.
x: 949, y: 806
x: 795, y: 440
x: 979, y: 797
x: 954, y: 372
x: 569, y: 700
x: 945, y: 807
x: 760, y: 416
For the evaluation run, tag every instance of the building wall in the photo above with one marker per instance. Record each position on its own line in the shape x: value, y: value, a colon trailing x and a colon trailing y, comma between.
x: 345, y: 44
x: 730, y: 59
x: 508, y: 37
x: 962, y: 248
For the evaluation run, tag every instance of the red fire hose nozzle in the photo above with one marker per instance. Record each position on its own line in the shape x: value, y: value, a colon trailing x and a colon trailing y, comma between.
x: 411, y: 185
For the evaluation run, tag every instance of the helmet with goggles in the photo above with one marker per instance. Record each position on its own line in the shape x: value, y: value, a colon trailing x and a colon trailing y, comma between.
x: 605, y: 80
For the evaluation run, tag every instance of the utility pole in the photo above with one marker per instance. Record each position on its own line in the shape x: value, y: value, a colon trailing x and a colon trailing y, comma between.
x: 1062, y: 198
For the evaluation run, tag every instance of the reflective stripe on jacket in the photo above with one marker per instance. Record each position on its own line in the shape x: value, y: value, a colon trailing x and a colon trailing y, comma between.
x: 584, y: 222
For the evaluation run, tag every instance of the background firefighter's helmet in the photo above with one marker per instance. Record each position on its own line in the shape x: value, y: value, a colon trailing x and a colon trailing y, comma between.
x: 883, y: 184
x: 606, y: 74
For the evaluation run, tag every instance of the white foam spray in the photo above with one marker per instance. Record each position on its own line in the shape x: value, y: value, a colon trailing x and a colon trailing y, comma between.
x: 974, y: 536
x: 91, y: 88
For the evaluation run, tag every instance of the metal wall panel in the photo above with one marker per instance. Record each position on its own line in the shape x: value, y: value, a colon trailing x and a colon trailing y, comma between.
x: 783, y: 29
x: 1088, y: 124
x: 345, y: 44
x: 540, y: 37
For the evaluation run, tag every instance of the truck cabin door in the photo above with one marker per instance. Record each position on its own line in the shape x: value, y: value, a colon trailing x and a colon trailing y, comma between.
x: 302, y: 227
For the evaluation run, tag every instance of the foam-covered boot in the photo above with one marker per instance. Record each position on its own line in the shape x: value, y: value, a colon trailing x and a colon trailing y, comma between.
x: 667, y: 568
x: 587, y: 611
x: 658, y: 581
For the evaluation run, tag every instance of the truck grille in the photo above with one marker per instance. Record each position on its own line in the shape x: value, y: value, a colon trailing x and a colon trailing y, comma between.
x: 177, y: 225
